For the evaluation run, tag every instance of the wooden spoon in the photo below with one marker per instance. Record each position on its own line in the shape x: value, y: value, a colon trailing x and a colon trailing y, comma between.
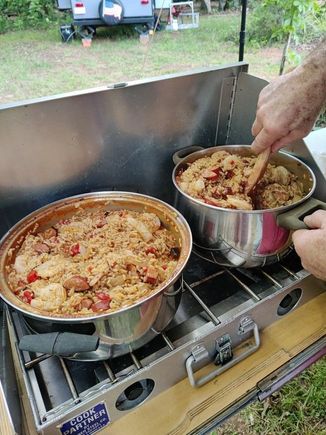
x: 258, y: 170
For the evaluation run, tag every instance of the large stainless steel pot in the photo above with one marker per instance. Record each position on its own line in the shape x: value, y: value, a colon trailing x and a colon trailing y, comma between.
x: 244, y: 238
x: 131, y: 325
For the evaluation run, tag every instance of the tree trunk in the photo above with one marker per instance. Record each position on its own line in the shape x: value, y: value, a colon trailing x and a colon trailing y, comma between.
x: 285, y: 51
x: 208, y: 6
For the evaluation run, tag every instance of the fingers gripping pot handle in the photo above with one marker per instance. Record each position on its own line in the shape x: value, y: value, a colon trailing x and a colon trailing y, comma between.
x: 293, y: 219
x: 200, y: 354
x: 59, y: 343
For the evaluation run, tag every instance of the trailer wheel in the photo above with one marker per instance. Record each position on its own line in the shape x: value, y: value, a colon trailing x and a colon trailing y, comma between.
x: 111, y: 12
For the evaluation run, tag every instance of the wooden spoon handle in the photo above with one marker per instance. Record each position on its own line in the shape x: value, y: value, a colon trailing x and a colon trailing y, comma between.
x: 258, y: 170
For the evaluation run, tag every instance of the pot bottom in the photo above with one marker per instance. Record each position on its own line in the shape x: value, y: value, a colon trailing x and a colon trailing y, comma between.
x: 230, y: 257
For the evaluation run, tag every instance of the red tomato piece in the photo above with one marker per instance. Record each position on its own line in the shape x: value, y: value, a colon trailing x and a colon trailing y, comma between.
x: 32, y: 276
x: 28, y: 296
x: 151, y: 250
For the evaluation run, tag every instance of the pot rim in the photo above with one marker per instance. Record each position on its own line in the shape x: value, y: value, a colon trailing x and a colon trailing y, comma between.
x: 209, y: 150
x: 9, y: 238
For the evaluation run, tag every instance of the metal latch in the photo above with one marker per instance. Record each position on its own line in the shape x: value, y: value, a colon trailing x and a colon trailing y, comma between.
x: 224, y: 353
x: 246, y: 325
x: 224, y: 350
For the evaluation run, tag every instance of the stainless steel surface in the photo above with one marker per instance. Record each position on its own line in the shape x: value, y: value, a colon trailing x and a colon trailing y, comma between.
x: 129, y: 324
x: 241, y: 238
x: 80, y: 386
x: 67, y: 144
x: 244, y: 106
x: 199, y: 354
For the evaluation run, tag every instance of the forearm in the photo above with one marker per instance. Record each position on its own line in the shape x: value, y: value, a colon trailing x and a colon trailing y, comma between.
x: 313, y: 70
x: 316, y: 60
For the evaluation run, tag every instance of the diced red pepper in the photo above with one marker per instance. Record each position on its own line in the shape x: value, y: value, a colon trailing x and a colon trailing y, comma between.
x: 151, y: 250
x: 103, y: 296
x: 28, y: 296
x: 32, y: 276
x: 100, y: 305
x: 164, y: 267
x: 151, y: 275
x: 74, y: 249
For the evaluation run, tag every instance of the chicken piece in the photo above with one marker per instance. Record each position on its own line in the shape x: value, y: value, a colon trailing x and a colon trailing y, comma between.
x: 198, y: 185
x: 238, y: 203
x: 49, y: 298
x: 281, y: 175
x: 51, y: 267
x: 152, y: 221
x: 20, y: 264
x: 142, y: 229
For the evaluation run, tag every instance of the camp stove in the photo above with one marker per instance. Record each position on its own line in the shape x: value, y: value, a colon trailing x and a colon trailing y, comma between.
x: 220, y: 308
x: 119, y: 136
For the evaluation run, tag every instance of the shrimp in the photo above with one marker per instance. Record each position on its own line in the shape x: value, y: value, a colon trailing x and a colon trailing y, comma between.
x: 49, y: 298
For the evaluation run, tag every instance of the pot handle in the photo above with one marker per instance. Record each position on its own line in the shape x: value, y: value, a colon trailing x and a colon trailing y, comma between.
x: 184, y: 152
x: 59, y: 343
x: 293, y: 219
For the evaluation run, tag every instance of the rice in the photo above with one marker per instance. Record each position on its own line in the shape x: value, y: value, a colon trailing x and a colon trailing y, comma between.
x: 221, y: 180
x: 94, y: 262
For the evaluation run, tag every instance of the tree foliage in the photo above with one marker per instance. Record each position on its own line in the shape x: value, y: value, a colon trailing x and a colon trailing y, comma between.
x: 272, y: 20
x: 24, y: 13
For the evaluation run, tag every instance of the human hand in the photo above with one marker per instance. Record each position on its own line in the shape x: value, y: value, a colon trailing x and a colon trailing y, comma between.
x: 288, y: 108
x: 311, y: 244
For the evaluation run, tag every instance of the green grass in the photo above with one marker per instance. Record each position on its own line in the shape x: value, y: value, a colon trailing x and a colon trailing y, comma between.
x: 36, y: 63
x: 299, y: 408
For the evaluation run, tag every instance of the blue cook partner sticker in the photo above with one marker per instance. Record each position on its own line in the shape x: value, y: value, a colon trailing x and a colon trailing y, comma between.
x: 87, y: 422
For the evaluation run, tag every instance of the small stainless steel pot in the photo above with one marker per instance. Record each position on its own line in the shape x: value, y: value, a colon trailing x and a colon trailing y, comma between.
x: 133, y: 324
x: 244, y: 238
